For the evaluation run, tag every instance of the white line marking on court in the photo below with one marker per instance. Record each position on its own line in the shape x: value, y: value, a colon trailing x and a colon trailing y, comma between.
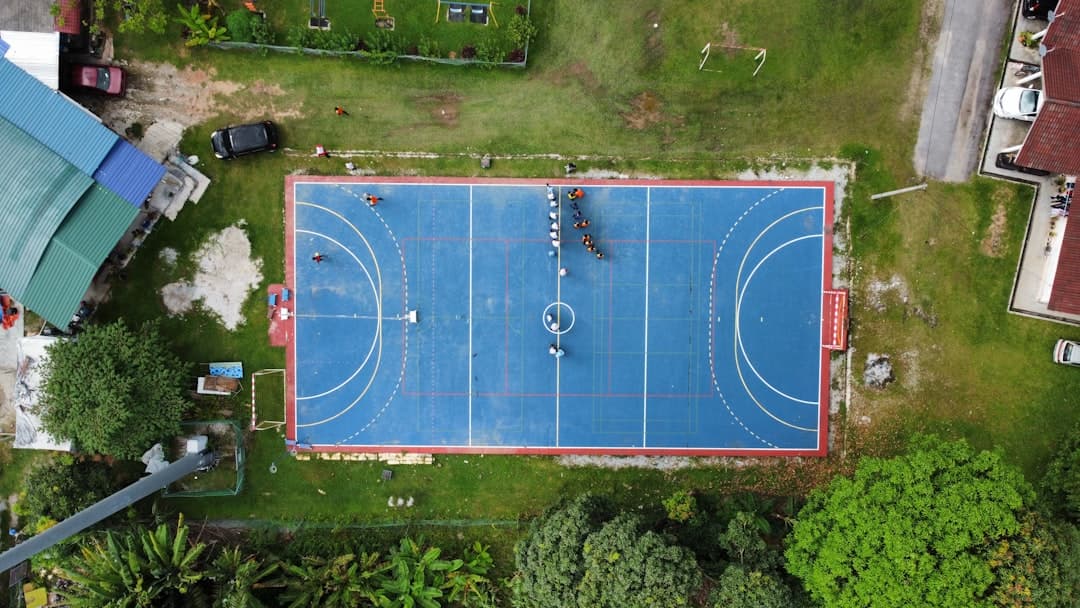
x: 737, y: 304
x: 470, y: 309
x: 645, y: 372
x: 712, y: 325
x: 376, y: 338
x: 738, y: 308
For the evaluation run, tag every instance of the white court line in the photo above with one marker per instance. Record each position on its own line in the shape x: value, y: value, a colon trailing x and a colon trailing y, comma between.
x: 470, y: 309
x: 645, y: 373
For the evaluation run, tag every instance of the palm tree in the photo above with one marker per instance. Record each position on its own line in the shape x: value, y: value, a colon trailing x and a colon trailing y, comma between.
x: 237, y: 577
x: 343, y: 582
x: 137, y: 568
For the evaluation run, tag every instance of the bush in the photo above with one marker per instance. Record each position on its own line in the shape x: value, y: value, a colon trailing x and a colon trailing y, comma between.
x: 260, y: 32
x: 304, y: 37
x: 428, y: 47
x: 521, y: 30
x: 468, y: 52
x: 61, y: 488
x: 681, y: 506
x: 239, y: 24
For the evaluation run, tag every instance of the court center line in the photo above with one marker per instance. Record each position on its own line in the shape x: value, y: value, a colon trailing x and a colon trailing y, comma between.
x: 470, y: 310
x: 645, y: 356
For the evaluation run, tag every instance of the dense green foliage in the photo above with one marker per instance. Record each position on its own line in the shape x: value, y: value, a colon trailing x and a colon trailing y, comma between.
x: 912, y: 530
x: 113, y: 391
x: 575, y: 556
x: 1061, y: 485
x: 60, y: 488
x: 626, y: 567
x: 157, y: 569
x: 739, y: 587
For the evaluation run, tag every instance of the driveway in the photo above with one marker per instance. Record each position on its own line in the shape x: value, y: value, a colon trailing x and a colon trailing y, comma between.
x: 965, y: 72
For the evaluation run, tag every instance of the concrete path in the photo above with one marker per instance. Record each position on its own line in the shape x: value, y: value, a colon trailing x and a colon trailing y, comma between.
x: 965, y: 73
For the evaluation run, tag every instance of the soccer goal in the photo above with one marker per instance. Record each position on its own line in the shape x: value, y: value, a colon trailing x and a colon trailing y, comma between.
x: 759, y: 57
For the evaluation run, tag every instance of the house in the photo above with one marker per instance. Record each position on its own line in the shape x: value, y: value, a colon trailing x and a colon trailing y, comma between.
x: 1053, y: 142
x: 73, y: 188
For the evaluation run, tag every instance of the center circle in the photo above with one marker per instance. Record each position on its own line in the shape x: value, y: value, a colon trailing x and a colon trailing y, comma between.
x: 561, y: 314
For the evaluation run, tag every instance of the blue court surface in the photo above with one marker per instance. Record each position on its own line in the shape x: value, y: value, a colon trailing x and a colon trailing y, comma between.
x: 430, y: 322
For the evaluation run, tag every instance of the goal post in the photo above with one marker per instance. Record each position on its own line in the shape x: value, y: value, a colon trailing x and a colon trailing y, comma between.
x: 759, y: 57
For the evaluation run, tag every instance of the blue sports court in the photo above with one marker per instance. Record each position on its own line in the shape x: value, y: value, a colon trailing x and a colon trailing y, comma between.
x: 444, y: 318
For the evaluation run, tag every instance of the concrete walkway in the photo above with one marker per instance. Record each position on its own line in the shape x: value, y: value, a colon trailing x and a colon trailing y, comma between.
x: 961, y: 87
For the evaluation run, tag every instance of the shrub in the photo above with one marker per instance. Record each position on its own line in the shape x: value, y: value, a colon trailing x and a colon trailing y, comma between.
x: 260, y: 32
x: 521, y: 30
x: 680, y: 506
x: 468, y: 52
x: 428, y: 47
x: 239, y: 24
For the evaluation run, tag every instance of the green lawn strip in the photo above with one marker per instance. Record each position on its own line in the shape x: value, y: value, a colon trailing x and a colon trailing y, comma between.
x: 965, y: 366
x: 602, y: 80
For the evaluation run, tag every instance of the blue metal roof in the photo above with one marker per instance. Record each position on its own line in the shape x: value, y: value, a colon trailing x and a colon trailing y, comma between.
x: 129, y: 173
x: 51, y: 118
x: 3, y: 47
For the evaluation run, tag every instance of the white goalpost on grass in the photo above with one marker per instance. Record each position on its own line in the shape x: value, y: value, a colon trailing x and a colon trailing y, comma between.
x: 759, y: 58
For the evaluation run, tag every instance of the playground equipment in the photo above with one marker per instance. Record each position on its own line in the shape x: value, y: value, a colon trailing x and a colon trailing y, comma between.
x: 759, y: 58
x: 318, y: 21
x: 383, y: 19
x: 460, y: 12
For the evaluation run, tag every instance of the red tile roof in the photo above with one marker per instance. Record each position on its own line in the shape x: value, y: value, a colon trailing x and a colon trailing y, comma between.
x: 1053, y: 142
x: 1065, y: 296
x: 1061, y: 73
x: 69, y: 16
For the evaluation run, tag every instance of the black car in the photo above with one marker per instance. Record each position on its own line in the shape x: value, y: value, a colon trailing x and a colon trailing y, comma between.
x: 1007, y: 160
x: 231, y: 142
x: 1037, y: 9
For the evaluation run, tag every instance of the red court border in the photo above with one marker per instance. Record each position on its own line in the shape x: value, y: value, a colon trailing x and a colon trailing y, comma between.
x: 290, y: 352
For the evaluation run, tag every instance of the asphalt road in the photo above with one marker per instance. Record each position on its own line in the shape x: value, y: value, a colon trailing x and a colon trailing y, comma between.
x: 962, y: 85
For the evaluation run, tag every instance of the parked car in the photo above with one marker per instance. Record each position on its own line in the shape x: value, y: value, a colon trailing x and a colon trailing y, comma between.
x: 231, y: 142
x: 1037, y: 9
x: 1018, y: 102
x: 1007, y: 160
x: 1067, y: 352
x: 107, y: 79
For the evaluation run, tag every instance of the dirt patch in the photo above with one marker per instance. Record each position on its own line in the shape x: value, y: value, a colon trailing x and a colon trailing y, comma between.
x: 992, y: 244
x: 444, y: 109
x: 160, y: 92
x: 580, y: 71
x: 645, y: 110
x: 226, y: 275
x: 878, y: 293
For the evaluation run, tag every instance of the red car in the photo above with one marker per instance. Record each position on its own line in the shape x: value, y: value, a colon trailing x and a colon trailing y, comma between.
x: 107, y: 79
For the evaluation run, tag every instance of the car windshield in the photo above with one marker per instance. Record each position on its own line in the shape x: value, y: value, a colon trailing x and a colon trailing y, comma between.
x: 1028, y: 101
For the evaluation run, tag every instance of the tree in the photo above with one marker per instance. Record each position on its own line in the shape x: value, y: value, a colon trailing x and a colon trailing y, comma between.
x: 113, y: 391
x: 549, y: 559
x: 743, y: 543
x: 60, y: 488
x: 740, y: 587
x: 911, y: 530
x: 1040, y: 566
x: 626, y: 568
x: 138, y: 568
x: 1061, y: 484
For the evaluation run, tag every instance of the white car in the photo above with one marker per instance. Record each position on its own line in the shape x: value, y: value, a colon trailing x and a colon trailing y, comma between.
x: 1067, y: 352
x: 1018, y: 103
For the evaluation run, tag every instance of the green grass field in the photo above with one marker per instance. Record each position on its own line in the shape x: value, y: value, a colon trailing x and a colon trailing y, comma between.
x: 604, y: 84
